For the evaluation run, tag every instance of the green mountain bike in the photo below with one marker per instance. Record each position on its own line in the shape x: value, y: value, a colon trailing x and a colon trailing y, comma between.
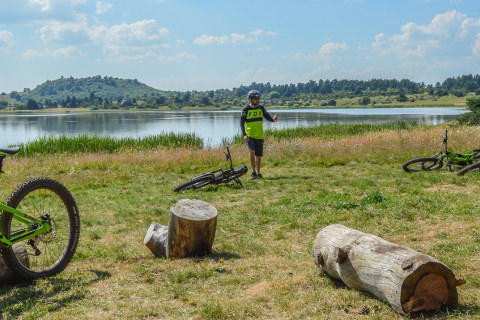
x: 436, y: 161
x: 218, y: 176
x: 41, y: 217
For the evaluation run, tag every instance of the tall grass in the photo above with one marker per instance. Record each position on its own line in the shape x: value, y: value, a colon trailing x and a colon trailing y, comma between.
x: 329, y: 131
x: 93, y: 143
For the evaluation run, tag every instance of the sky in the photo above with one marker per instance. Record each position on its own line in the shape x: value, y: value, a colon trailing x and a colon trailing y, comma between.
x: 213, y: 44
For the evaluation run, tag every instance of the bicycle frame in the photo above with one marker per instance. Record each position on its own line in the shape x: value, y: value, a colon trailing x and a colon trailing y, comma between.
x: 226, y: 175
x: 454, y: 158
x: 34, y: 227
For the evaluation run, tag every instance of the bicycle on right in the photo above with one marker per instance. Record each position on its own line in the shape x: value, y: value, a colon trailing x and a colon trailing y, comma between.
x: 435, y: 162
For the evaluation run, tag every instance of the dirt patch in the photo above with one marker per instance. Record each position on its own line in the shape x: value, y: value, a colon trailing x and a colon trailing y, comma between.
x: 258, y: 288
x: 452, y: 188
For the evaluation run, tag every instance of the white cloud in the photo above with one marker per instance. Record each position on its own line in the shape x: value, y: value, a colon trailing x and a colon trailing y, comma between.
x: 103, y: 7
x: 327, y: 52
x: 152, y: 57
x: 145, y: 32
x: 69, y: 51
x: 331, y: 48
x: 45, y: 5
x: 66, y: 32
x: 7, y: 39
x: 476, y: 47
x: 233, y: 38
x: 115, y: 40
x: 267, y: 48
x: 204, y: 39
x: 418, y: 40
x: 320, y: 70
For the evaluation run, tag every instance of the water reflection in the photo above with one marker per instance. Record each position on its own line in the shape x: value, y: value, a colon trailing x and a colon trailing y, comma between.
x: 211, y: 126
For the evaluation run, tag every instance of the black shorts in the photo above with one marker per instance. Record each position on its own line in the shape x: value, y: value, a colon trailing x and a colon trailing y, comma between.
x: 256, y: 145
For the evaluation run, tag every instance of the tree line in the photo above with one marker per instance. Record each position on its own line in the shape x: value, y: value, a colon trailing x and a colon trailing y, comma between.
x: 111, y: 93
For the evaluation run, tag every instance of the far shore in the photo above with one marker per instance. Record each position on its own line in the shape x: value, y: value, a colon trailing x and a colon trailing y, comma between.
x: 82, y: 110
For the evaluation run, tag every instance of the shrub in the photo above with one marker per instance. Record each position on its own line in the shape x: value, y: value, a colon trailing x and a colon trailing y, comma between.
x: 472, y: 118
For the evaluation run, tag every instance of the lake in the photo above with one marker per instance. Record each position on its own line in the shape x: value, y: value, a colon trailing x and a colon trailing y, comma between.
x: 211, y: 126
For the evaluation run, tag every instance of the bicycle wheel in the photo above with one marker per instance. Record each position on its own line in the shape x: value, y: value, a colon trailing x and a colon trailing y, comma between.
x: 471, y: 167
x: 422, y: 164
x: 196, y: 183
x: 48, y: 254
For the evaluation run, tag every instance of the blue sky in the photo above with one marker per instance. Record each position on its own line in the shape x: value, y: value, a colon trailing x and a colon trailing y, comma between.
x: 202, y: 45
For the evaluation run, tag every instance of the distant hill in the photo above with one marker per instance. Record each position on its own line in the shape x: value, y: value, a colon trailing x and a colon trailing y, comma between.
x: 106, y: 87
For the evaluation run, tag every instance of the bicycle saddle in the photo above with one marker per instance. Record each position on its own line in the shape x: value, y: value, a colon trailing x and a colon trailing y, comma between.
x: 10, y: 150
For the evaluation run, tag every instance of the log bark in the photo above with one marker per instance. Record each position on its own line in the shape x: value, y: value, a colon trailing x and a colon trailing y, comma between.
x: 408, y: 280
x: 5, y: 273
x: 190, y: 232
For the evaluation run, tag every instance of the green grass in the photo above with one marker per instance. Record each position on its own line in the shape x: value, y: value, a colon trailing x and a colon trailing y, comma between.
x: 261, y: 266
x: 94, y: 143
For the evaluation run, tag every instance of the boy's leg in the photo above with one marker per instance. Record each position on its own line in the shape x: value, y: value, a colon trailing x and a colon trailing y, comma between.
x: 251, y: 149
x: 258, y: 156
x: 252, y: 160
x: 258, y: 161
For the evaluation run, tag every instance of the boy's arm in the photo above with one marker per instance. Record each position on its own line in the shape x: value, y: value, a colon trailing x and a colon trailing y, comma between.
x: 243, y: 117
x: 267, y: 115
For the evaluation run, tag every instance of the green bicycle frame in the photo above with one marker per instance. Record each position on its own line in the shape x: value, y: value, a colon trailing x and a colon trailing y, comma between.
x: 460, y: 158
x: 24, y: 234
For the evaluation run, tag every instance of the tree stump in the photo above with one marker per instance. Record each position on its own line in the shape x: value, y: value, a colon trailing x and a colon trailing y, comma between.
x: 190, y: 232
x: 408, y: 280
x: 5, y: 273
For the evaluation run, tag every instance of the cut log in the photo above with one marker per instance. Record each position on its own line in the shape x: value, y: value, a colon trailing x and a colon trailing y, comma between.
x: 5, y: 273
x: 408, y: 280
x: 190, y: 232
x: 156, y: 239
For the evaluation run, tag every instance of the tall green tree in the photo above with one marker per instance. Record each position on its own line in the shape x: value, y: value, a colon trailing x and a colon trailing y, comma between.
x: 32, y: 105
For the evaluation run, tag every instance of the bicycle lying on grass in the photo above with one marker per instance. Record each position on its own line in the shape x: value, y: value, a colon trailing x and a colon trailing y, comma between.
x: 42, y: 216
x: 436, y: 161
x: 216, y: 177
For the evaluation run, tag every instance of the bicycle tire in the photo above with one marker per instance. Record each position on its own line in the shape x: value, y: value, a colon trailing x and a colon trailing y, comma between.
x: 432, y: 164
x: 468, y: 168
x: 196, y: 183
x: 37, y: 197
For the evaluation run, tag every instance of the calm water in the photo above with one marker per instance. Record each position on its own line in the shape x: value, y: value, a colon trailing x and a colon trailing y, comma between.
x: 212, y: 126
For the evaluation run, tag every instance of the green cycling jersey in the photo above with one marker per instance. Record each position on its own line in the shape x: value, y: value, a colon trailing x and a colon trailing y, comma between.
x: 251, y: 121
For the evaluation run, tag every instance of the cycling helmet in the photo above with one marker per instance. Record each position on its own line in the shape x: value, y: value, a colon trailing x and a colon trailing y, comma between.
x: 253, y: 94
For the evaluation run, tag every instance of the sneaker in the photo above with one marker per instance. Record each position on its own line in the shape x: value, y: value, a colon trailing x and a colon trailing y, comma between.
x: 254, y: 175
x: 259, y: 176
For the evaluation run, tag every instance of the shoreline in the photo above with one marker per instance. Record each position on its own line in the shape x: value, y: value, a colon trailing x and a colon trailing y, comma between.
x: 133, y: 110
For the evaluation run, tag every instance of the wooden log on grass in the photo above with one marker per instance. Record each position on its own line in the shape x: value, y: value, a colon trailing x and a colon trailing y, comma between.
x: 190, y: 232
x: 156, y: 239
x: 408, y: 280
x: 5, y: 273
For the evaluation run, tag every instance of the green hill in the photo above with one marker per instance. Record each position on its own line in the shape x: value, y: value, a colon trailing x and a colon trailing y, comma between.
x: 106, y: 88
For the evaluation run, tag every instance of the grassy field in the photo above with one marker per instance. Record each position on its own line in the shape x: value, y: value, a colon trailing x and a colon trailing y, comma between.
x: 261, y: 266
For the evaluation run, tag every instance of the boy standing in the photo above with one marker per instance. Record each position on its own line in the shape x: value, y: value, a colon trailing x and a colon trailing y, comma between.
x: 251, y: 123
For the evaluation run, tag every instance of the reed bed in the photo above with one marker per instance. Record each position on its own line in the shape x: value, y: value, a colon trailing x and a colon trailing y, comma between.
x: 87, y: 143
x: 329, y: 131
